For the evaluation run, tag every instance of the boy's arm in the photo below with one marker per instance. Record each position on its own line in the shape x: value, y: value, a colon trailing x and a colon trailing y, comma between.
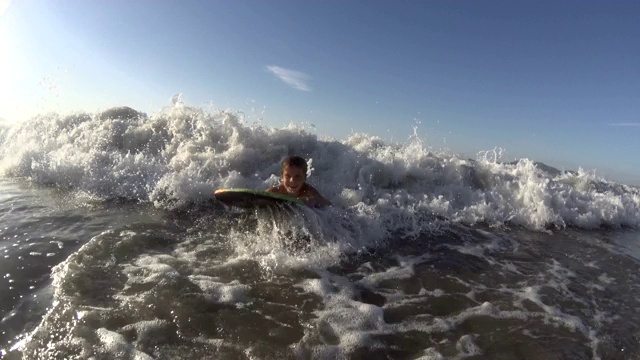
x: 317, y: 199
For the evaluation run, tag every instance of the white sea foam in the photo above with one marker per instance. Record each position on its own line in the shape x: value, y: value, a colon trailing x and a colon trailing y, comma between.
x: 113, y: 292
x: 115, y: 345
x: 180, y: 155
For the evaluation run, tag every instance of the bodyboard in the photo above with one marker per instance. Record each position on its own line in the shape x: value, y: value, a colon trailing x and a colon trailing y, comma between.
x: 248, y: 198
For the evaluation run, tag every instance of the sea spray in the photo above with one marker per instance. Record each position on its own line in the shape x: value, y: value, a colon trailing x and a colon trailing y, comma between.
x: 178, y: 156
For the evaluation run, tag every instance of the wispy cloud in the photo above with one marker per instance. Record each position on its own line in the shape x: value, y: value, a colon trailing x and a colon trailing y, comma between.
x: 296, y: 79
x: 627, y: 124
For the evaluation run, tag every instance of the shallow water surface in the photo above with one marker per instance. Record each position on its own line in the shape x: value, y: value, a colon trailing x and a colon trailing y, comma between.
x: 139, y: 283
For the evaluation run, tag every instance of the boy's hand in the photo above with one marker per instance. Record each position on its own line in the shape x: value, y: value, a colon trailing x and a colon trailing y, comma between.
x: 315, y: 202
x: 311, y: 202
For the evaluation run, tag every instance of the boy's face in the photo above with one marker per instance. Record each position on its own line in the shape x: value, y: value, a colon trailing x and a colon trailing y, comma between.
x: 293, y: 178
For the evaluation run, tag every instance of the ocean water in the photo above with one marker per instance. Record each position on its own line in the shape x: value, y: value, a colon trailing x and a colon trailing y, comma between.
x: 112, y: 248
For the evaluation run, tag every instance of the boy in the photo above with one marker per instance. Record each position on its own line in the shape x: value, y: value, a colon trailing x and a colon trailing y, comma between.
x: 293, y: 182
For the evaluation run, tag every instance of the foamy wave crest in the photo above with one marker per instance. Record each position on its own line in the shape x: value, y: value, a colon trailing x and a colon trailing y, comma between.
x: 179, y: 155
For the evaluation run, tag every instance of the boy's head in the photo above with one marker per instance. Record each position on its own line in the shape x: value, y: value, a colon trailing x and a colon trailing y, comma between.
x: 294, y: 173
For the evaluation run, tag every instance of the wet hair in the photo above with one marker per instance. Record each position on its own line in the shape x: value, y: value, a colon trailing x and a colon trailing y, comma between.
x: 296, y: 161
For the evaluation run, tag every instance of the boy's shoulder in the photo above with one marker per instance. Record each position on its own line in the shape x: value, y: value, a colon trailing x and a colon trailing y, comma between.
x: 309, y: 187
x: 313, y: 194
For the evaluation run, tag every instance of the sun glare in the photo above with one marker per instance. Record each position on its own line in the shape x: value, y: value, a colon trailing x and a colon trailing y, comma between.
x: 4, y: 5
x: 5, y: 50
x: 7, y: 64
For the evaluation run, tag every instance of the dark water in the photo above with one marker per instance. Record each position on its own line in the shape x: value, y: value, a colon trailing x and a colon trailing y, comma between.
x: 125, y: 281
x: 40, y: 228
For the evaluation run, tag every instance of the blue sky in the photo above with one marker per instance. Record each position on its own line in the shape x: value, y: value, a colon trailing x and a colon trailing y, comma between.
x: 554, y: 81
